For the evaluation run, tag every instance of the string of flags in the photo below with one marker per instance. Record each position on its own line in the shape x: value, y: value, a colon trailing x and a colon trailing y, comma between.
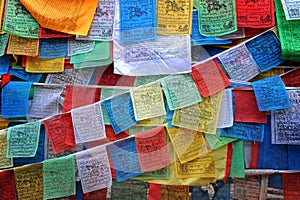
x: 108, y: 99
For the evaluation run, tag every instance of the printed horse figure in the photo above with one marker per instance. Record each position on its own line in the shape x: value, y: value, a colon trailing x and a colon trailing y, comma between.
x: 265, y: 20
x: 20, y: 10
x: 172, y: 6
x: 100, y: 12
x: 136, y: 12
x: 215, y: 5
x: 294, y: 12
x: 21, y: 136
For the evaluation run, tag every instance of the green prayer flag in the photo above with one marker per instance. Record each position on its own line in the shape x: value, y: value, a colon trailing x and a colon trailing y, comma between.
x: 59, y: 177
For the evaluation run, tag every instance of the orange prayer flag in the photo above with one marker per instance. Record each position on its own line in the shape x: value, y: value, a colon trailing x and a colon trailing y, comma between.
x: 73, y: 17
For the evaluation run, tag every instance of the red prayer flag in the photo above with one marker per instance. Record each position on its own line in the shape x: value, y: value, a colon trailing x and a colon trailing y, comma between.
x: 95, y: 195
x: 7, y: 185
x: 111, y: 136
x: 77, y: 96
x: 246, y: 108
x: 48, y: 33
x: 96, y: 143
x: 68, y: 65
x: 254, y: 158
x: 251, y: 32
x: 152, y: 149
x: 228, y: 161
x: 154, y: 191
x: 209, y: 78
x: 290, y: 185
x: 5, y: 79
x: 106, y: 76
x: 292, y: 78
x: 60, y: 132
x: 255, y: 14
x: 23, y: 61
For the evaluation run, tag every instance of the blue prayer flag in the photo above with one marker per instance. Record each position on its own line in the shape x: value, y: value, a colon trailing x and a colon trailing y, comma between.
x: 271, y: 156
x: 266, y: 51
x: 125, y: 159
x: 245, y: 131
x: 270, y: 94
x: 15, y: 99
x: 120, y: 112
x: 53, y: 47
x: 22, y: 74
x: 293, y: 157
x: 4, y: 64
x: 137, y: 20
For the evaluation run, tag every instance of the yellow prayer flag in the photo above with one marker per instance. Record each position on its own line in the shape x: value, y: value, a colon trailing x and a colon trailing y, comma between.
x: 14, y: 61
x: 23, y: 46
x: 187, y: 143
x: 202, y: 117
x: 1, y: 14
x: 200, y: 167
x: 4, y: 162
x: 148, y: 101
x: 73, y: 17
x: 29, y: 181
x: 174, y: 192
x: 41, y: 65
x: 3, y: 123
x: 156, y: 121
x: 174, y: 17
x: 204, y: 149
x: 275, y: 30
x: 219, y: 158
